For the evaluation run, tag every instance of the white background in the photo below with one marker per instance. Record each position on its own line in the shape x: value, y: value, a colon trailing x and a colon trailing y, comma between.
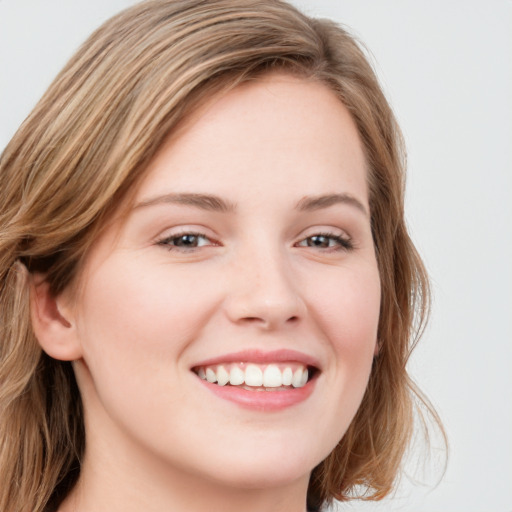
x: 447, y: 69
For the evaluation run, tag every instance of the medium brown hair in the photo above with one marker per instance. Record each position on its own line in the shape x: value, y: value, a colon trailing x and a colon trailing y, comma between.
x: 83, y: 150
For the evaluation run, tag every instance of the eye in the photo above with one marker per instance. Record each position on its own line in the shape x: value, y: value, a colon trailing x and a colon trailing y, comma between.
x: 185, y: 241
x: 329, y: 241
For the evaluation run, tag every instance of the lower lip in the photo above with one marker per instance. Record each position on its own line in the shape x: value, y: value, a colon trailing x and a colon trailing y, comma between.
x: 262, y: 400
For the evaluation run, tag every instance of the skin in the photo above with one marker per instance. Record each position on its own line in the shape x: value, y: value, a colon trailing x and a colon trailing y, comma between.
x: 147, y: 312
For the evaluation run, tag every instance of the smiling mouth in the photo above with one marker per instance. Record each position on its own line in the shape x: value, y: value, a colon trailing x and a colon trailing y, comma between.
x: 257, y: 377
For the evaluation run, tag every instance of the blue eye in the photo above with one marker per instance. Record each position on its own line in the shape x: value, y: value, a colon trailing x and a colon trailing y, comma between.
x: 184, y: 241
x: 326, y: 241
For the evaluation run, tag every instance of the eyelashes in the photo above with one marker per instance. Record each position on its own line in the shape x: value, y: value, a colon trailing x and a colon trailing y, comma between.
x: 190, y: 241
x: 327, y: 241
x: 186, y: 241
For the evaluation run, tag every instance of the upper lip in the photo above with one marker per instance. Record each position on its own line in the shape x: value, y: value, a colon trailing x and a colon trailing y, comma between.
x: 262, y: 357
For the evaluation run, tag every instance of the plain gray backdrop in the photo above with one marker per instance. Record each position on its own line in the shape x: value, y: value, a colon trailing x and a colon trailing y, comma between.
x: 446, y: 68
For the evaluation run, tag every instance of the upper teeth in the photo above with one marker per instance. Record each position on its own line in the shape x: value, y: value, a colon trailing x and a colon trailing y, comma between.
x: 269, y: 376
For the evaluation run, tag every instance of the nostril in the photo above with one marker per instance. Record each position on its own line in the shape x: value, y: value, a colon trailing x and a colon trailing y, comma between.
x: 253, y: 319
x: 268, y: 321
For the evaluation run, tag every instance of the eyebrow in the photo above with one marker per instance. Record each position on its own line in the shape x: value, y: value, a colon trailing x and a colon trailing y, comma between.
x: 202, y: 201
x: 325, y: 201
x: 217, y: 204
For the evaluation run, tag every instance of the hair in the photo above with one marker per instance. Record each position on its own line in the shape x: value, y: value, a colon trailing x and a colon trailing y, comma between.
x: 82, y: 152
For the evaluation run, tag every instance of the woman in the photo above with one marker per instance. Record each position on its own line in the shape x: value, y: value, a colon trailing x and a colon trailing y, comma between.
x: 208, y: 293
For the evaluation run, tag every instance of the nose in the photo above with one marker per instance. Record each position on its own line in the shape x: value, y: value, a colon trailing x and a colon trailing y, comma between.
x: 263, y: 292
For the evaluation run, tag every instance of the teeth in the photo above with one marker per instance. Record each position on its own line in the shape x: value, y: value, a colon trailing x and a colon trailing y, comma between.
x: 297, y: 378
x: 287, y: 376
x: 304, y: 377
x: 222, y: 376
x: 272, y: 377
x: 252, y: 375
x: 210, y: 375
x: 236, y: 376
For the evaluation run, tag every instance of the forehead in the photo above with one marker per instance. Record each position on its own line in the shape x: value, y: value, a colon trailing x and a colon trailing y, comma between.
x: 265, y: 148
x: 278, y: 128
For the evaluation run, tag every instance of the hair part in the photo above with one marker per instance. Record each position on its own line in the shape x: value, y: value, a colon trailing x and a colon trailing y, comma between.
x: 83, y: 150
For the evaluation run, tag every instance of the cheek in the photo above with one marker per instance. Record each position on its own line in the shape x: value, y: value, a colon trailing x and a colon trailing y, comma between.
x: 347, y: 310
x: 135, y: 318
x: 135, y: 324
x: 131, y: 304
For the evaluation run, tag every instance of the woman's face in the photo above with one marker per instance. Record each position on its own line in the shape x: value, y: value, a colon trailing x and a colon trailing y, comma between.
x: 248, y: 256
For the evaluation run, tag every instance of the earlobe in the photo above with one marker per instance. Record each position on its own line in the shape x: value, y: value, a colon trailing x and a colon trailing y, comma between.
x: 52, y: 323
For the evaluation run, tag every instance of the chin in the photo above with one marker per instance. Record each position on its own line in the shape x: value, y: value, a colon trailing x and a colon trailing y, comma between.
x: 270, y: 466
x: 263, y: 475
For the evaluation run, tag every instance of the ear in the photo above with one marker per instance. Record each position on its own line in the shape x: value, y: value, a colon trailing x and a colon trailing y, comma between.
x: 52, y: 321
